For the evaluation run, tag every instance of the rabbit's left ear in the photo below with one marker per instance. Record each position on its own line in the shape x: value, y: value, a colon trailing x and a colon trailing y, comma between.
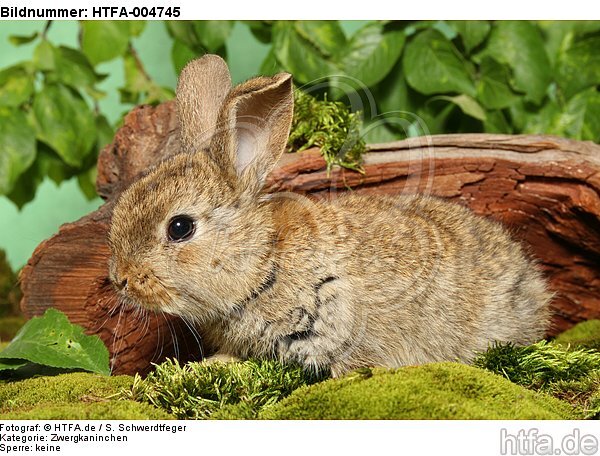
x: 253, y: 129
x: 202, y: 88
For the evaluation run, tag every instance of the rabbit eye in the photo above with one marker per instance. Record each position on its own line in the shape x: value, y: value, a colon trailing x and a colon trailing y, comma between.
x: 181, y: 228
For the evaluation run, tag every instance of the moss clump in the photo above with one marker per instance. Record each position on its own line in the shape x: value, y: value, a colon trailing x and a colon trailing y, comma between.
x: 198, y: 390
x: 541, y: 364
x: 71, y: 396
x: 570, y: 373
x: 584, y: 334
x: 433, y: 391
x: 329, y: 125
x: 583, y: 393
x: 109, y: 410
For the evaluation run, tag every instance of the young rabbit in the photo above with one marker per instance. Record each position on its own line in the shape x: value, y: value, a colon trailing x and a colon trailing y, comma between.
x: 358, y: 281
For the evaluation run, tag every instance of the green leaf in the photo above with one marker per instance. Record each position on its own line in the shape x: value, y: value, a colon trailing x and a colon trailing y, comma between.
x: 19, y: 40
x: 87, y: 183
x: 309, y: 51
x: 213, y: 34
x: 105, y: 132
x: 493, y: 86
x: 327, y: 36
x: 261, y: 30
x: 298, y: 56
x: 581, y: 117
x: 392, y: 94
x: 51, y: 340
x: 433, y: 65
x: 136, y: 28
x: 65, y: 123
x: 12, y: 364
x: 16, y: 86
x: 472, y: 33
x: 46, y: 164
x: 184, y: 31
x: 378, y: 132
x: 181, y: 55
x: 270, y: 66
x: 445, y: 29
x: 372, y: 52
x: 558, y: 35
x: 432, y: 121
x: 74, y: 69
x: 102, y: 41
x: 135, y: 80
x: 17, y: 147
x: 544, y: 121
x: 139, y: 87
x: 466, y: 104
x: 578, y: 67
x: 43, y: 56
x: 496, y: 122
x: 519, y: 44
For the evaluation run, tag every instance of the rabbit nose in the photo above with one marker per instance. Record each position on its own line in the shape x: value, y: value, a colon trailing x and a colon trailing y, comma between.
x: 120, y: 281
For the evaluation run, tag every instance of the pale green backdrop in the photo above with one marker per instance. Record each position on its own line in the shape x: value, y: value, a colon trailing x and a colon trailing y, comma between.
x: 21, y: 231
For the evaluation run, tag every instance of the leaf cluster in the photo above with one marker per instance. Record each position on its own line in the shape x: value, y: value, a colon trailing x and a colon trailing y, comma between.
x: 452, y: 76
x: 51, y: 124
x: 404, y: 78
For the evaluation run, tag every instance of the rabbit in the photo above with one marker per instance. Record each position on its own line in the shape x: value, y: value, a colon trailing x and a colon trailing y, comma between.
x: 356, y: 281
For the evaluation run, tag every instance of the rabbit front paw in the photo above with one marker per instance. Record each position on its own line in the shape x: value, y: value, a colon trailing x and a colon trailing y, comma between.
x: 220, y: 358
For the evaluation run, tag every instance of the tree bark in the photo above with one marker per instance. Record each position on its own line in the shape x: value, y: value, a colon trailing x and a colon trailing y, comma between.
x: 545, y: 189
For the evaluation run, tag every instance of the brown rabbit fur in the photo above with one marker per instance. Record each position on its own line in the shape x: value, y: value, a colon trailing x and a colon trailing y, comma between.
x: 358, y: 281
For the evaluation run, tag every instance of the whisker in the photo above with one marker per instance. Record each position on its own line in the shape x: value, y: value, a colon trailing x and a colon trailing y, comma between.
x: 115, y: 348
x: 141, y: 314
x: 159, y: 346
x: 196, y: 335
x: 109, y: 314
x: 173, y: 337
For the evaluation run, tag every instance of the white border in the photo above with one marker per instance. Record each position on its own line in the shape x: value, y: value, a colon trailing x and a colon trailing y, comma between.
x: 352, y: 10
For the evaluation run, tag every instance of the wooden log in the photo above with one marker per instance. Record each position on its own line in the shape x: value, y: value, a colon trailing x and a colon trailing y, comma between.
x: 545, y: 189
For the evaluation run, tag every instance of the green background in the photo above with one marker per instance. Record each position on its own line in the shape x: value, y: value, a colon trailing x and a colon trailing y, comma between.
x: 22, y: 231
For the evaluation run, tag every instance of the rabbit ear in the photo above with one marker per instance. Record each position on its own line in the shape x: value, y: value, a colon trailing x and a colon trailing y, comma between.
x: 254, y: 128
x: 203, y: 86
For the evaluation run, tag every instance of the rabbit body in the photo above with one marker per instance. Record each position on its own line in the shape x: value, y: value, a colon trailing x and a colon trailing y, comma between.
x: 384, y: 281
x: 333, y: 285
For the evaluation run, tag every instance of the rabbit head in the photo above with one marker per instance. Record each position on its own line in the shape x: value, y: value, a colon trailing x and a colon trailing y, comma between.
x: 193, y: 236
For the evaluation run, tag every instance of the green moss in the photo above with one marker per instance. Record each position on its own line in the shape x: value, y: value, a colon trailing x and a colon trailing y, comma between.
x: 540, y: 364
x: 71, y: 396
x: 584, y: 334
x: 557, y: 380
x: 583, y: 393
x: 433, y: 391
x: 329, y: 125
x: 239, y: 411
x: 592, y: 408
x: 198, y: 390
x: 109, y: 410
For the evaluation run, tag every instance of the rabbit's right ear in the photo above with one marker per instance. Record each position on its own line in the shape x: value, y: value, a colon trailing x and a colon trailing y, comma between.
x: 203, y: 85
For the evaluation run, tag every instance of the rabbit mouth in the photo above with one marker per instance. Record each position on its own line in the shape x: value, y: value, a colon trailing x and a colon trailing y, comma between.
x: 146, y: 291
